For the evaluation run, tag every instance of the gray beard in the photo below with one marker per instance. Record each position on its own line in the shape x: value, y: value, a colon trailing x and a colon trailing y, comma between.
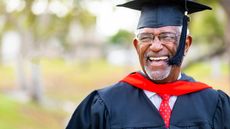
x: 158, y: 75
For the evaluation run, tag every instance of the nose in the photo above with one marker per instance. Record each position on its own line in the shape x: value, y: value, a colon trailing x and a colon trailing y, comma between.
x: 156, y: 45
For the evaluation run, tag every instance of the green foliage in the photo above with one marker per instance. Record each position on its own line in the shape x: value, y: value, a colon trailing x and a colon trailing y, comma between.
x: 122, y: 37
x: 41, y: 28
x: 208, y: 26
x: 202, y: 70
x: 86, y: 18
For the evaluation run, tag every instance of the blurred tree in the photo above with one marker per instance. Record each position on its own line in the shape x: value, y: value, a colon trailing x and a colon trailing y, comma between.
x: 122, y: 37
x: 38, y: 22
x: 225, y: 4
x: 209, y: 27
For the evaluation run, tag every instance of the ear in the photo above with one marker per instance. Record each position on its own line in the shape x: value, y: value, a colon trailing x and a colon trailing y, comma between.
x: 135, y: 44
x: 188, y: 43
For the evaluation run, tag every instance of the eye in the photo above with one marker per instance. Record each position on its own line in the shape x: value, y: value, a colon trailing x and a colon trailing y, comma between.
x: 168, y: 37
x: 145, y: 37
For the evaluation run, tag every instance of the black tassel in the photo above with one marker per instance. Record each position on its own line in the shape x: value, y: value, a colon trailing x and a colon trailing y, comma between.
x: 178, y: 57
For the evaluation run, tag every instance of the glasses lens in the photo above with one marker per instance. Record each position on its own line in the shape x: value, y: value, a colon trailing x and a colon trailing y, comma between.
x: 145, y: 37
x: 168, y: 37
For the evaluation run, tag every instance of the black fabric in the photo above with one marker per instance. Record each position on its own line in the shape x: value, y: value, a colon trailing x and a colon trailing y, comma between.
x: 192, y: 6
x: 122, y: 106
x: 184, y: 77
x: 158, y: 13
x: 178, y: 57
x: 154, y: 16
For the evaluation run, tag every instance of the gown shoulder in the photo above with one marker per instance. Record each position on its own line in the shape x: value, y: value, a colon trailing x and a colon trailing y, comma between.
x: 222, y: 114
x: 90, y: 114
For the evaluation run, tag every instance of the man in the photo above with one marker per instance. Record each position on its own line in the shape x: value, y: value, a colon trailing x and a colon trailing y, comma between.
x: 159, y: 96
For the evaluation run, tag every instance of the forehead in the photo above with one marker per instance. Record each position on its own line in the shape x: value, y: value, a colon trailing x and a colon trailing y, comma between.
x: 174, y: 29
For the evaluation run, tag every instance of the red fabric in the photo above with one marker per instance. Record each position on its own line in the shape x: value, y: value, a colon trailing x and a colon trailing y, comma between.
x: 165, y: 110
x: 175, y: 88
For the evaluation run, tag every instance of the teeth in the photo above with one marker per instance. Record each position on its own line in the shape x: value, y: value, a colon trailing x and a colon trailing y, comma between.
x: 158, y: 58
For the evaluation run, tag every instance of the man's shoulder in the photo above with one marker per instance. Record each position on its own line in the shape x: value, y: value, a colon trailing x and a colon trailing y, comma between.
x: 208, y: 92
x: 116, y: 89
x: 207, y: 96
x: 118, y: 94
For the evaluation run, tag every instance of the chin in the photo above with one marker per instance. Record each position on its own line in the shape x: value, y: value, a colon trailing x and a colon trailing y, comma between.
x: 158, y: 75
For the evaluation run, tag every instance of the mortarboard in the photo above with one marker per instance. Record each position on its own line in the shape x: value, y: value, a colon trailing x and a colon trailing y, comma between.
x: 159, y: 13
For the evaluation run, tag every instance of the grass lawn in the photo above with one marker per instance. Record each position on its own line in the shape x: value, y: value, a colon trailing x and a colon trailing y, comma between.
x: 7, y: 77
x: 15, y: 115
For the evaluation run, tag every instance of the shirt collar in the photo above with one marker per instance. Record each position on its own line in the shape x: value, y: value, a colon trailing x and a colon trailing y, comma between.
x: 149, y: 94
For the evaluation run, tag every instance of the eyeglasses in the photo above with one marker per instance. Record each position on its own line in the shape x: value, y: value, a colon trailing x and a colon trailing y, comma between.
x: 166, y: 37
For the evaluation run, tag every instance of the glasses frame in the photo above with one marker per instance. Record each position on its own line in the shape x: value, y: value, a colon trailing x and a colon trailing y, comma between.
x: 150, y: 37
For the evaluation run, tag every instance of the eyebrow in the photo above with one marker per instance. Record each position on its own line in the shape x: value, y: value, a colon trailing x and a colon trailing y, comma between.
x: 174, y: 28
x: 138, y: 31
x: 160, y: 33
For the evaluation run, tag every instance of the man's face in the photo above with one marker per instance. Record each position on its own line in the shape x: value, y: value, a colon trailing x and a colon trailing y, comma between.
x: 155, y: 46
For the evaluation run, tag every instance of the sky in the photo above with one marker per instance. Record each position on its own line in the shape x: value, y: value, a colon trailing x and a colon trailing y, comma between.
x: 111, y: 18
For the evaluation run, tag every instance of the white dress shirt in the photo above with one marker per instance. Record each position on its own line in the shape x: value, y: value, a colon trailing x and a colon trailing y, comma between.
x: 156, y: 99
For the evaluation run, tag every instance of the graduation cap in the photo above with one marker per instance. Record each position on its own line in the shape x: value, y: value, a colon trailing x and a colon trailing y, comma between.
x: 159, y: 13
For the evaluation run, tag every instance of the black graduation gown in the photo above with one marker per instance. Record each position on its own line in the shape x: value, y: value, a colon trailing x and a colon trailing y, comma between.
x: 123, y: 106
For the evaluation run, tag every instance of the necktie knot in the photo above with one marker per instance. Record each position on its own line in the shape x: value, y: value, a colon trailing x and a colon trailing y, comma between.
x: 164, y: 97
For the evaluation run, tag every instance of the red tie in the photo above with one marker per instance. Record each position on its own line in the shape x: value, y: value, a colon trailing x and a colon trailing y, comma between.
x: 165, y: 109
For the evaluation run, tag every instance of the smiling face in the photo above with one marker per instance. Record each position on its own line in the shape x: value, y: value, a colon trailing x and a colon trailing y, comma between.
x: 155, y: 46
